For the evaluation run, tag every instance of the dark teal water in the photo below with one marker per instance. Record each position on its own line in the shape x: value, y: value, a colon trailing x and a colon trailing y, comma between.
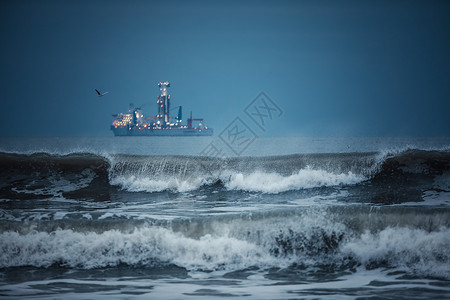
x: 332, y: 218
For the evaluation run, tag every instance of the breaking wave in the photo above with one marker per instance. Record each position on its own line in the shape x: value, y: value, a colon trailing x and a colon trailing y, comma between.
x: 42, y: 174
x: 308, y: 239
x: 276, y: 183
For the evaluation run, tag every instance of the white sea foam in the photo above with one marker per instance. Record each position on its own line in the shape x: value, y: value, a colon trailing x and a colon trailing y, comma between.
x: 141, y: 246
x: 57, y: 184
x: 144, y: 183
x: 276, y: 183
x: 223, y: 246
x: 258, y: 181
x: 416, y: 250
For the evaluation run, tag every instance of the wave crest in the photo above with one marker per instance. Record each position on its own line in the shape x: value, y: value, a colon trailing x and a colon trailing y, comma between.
x: 26, y: 174
x: 413, y: 250
x: 276, y: 183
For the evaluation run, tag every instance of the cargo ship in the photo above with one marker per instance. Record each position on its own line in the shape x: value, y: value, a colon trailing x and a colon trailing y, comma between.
x: 134, y: 123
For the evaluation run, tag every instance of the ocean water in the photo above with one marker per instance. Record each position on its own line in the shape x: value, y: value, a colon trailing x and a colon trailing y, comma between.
x: 287, y: 218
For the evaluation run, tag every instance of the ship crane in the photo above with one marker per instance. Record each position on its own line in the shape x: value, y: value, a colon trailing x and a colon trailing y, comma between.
x: 189, y: 121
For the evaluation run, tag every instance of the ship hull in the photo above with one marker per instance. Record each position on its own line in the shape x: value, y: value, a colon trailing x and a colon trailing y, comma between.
x: 160, y: 132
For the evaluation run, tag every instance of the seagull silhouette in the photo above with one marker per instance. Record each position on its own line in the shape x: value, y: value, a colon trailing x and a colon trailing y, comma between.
x: 101, y: 94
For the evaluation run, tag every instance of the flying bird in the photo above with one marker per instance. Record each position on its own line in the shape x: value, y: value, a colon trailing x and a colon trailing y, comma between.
x: 101, y: 94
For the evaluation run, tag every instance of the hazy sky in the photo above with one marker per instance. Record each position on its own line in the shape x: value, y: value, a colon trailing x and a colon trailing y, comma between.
x: 335, y: 68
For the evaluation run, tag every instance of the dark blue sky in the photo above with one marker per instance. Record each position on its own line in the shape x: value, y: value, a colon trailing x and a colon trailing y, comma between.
x: 335, y: 68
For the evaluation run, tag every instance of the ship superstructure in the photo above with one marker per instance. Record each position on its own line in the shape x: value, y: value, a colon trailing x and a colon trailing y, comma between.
x: 134, y: 123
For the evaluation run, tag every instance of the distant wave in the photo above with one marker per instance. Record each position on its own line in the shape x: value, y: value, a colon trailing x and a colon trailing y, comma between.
x: 268, y: 174
x: 42, y: 174
x: 257, y: 181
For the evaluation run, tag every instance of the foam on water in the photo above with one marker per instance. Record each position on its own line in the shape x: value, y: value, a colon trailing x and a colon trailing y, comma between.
x: 276, y: 183
x: 413, y: 250
x: 311, y: 240
x: 143, y: 246
x: 56, y: 175
x: 134, y: 183
x: 259, y: 181
x: 57, y: 184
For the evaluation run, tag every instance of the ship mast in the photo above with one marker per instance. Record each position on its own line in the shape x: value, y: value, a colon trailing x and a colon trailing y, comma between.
x: 163, y: 105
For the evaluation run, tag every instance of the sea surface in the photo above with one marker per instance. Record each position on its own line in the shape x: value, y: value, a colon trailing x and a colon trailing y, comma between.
x: 168, y: 218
